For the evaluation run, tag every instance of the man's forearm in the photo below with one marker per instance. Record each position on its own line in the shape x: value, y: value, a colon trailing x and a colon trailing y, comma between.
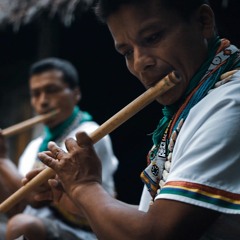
x: 102, y: 217
x: 10, y: 181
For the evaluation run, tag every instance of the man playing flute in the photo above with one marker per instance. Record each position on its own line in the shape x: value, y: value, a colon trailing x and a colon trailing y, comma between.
x: 54, y: 84
x: 192, y: 181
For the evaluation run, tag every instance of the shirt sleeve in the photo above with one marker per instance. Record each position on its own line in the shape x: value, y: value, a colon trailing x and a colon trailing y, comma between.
x: 206, y: 156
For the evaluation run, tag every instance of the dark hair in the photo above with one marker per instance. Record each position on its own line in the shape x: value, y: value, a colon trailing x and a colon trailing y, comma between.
x: 104, y: 8
x: 70, y: 74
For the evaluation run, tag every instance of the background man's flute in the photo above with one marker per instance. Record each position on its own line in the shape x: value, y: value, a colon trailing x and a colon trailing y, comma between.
x: 115, y: 121
x: 22, y: 126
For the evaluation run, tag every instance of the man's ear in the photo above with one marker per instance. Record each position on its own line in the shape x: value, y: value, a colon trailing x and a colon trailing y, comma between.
x: 77, y: 94
x: 207, y: 21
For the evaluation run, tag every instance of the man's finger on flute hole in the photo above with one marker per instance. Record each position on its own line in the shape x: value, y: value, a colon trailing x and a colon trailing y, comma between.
x: 71, y: 144
x: 83, y: 139
x: 56, y: 151
x: 49, y: 161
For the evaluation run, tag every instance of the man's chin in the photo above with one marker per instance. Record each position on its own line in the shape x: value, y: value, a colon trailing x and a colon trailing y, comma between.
x: 165, y: 100
x: 50, y: 123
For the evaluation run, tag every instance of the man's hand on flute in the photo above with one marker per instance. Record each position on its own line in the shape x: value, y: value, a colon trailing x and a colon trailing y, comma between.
x: 50, y: 192
x: 41, y: 195
x: 75, y: 168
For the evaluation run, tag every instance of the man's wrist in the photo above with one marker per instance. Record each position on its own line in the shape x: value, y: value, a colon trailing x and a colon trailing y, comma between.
x: 82, y: 192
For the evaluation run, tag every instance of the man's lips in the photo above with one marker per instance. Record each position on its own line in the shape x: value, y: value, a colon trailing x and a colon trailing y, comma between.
x: 150, y: 82
x: 47, y: 111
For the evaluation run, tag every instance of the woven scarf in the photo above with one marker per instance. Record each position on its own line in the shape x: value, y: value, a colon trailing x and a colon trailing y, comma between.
x: 52, y: 134
x: 222, y: 57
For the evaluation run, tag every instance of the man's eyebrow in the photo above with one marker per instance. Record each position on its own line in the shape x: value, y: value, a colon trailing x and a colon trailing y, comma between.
x: 148, y: 28
x: 120, y: 46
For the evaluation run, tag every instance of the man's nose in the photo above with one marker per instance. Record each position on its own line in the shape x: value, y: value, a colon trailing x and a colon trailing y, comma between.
x: 143, y: 60
x: 44, y: 99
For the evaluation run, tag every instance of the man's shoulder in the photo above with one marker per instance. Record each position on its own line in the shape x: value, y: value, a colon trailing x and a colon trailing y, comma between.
x: 36, y: 141
x: 88, y: 127
x: 226, y: 89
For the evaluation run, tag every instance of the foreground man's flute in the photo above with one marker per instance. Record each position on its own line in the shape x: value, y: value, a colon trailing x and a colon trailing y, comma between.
x: 17, y: 128
x: 115, y: 121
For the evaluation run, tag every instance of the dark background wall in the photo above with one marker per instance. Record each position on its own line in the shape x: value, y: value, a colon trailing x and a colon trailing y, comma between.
x: 105, y: 82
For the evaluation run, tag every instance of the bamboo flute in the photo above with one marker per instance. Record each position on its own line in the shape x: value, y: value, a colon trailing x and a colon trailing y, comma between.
x: 107, y: 127
x: 20, y: 127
